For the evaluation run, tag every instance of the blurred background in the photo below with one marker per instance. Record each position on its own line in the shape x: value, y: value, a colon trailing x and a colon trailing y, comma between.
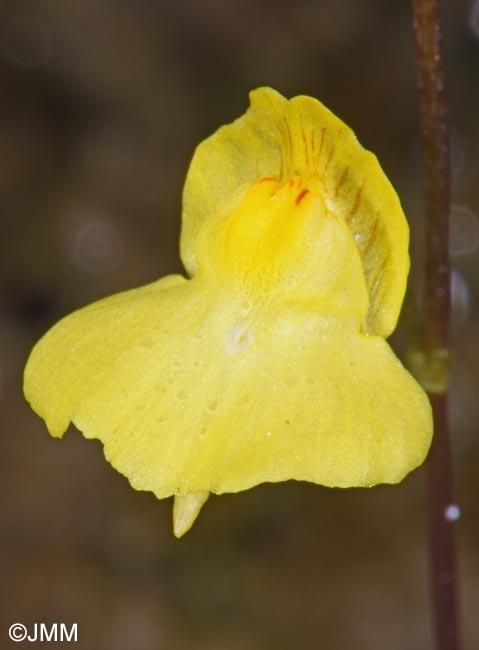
x: 102, y: 103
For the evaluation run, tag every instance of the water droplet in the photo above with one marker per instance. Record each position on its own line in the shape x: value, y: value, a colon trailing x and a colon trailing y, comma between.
x: 202, y: 432
x: 238, y: 338
x: 212, y: 405
x: 357, y: 236
x: 452, y: 512
x: 245, y: 305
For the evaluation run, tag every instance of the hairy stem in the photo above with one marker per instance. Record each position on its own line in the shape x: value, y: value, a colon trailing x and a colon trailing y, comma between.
x: 435, y: 152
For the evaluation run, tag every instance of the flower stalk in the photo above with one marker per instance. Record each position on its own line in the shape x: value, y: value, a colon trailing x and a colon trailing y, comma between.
x: 435, y: 326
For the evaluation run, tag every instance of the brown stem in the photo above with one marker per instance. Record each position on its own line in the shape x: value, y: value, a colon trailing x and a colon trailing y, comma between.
x: 441, y: 532
x: 435, y: 152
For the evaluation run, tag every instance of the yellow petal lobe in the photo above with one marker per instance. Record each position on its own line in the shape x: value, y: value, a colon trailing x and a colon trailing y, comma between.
x: 301, y: 137
x: 246, y: 373
x: 282, y: 242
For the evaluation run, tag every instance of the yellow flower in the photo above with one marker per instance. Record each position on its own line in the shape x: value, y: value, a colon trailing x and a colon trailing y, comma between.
x: 270, y: 362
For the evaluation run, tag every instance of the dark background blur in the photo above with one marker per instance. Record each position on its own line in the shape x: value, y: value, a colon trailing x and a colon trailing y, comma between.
x: 101, y: 105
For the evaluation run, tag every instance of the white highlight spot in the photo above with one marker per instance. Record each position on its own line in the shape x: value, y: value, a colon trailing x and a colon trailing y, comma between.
x: 459, y: 298
x: 238, y: 338
x: 452, y: 512
x: 268, y: 433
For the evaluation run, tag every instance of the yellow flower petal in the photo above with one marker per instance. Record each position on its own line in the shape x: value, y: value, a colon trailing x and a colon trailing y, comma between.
x: 239, y: 376
x: 266, y: 365
x: 301, y: 137
x: 190, y: 394
x: 283, y: 243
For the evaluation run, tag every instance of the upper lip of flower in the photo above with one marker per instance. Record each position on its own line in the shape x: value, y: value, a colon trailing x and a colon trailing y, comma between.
x: 281, y: 139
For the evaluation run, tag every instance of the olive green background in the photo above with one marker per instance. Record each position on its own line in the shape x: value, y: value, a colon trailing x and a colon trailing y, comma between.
x: 101, y: 105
